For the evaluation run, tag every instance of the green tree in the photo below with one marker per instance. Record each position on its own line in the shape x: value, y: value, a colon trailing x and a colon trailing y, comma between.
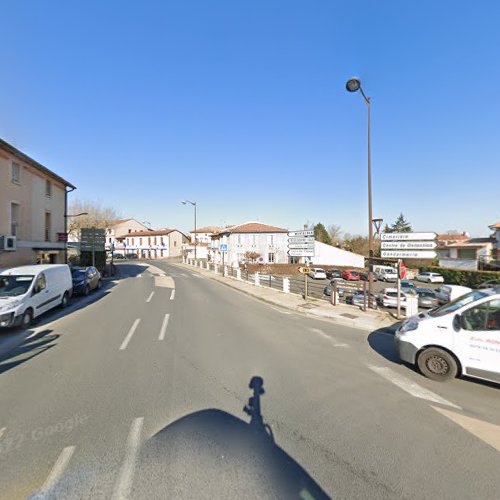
x: 401, y: 225
x: 321, y: 234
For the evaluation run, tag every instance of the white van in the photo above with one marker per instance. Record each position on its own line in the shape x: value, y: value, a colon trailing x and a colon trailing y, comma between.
x: 462, y: 337
x: 28, y: 291
x: 386, y: 273
x: 447, y: 293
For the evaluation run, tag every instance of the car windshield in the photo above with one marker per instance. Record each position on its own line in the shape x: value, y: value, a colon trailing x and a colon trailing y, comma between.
x: 457, y: 304
x: 12, y: 286
x: 79, y: 273
x: 426, y: 294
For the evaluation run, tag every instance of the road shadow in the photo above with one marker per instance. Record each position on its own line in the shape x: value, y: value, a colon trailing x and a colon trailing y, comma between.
x: 28, y: 349
x: 213, y: 454
x: 129, y: 269
x: 382, y: 342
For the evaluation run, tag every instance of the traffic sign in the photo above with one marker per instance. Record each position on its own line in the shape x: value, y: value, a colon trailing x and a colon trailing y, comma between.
x: 304, y: 246
x: 408, y: 245
x: 414, y: 254
x: 305, y: 232
x: 306, y: 239
x: 407, y: 236
x: 304, y: 270
x: 223, y: 247
x: 300, y: 253
x: 402, y: 270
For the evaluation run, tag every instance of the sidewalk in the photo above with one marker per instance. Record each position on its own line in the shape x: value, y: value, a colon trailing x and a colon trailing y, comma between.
x: 342, y: 314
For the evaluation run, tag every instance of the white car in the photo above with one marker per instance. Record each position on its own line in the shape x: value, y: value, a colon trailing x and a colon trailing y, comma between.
x: 388, y: 297
x: 447, y: 293
x: 316, y: 273
x: 28, y: 291
x: 428, y: 277
x: 462, y: 337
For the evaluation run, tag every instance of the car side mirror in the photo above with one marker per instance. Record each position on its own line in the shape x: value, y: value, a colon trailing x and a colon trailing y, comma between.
x: 457, y: 322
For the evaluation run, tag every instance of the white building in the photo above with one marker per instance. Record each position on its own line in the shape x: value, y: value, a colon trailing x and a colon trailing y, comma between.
x: 269, y: 243
x: 204, y: 234
x: 152, y: 244
x: 496, y: 236
x: 203, y: 242
x: 120, y: 228
x: 328, y: 255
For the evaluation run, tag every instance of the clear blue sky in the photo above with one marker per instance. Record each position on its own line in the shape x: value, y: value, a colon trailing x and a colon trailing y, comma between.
x: 241, y: 106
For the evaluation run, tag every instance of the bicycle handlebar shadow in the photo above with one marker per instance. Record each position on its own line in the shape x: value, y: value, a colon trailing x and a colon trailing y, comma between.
x: 213, y: 454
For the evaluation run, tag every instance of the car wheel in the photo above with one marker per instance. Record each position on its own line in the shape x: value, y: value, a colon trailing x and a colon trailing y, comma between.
x: 86, y: 290
x: 99, y: 284
x: 27, y: 318
x: 437, y: 364
x: 64, y: 300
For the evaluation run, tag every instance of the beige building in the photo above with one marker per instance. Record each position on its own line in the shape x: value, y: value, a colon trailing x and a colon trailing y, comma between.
x: 118, y: 229
x: 33, y: 202
x: 152, y: 244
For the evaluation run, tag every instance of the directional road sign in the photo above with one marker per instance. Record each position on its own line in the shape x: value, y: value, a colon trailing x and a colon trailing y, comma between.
x: 223, y: 247
x: 301, y: 239
x: 92, y: 238
x: 408, y: 254
x: 409, y: 245
x: 301, y: 253
x: 304, y: 246
x: 305, y: 232
x: 304, y: 270
x: 407, y: 236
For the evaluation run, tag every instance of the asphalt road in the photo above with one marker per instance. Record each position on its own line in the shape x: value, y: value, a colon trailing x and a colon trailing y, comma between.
x: 140, y: 394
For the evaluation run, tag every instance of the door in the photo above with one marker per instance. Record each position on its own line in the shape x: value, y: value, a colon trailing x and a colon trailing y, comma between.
x: 478, y: 339
x: 40, y: 300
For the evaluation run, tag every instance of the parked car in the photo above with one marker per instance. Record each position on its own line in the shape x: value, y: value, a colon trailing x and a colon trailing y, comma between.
x: 388, y: 297
x: 447, y: 293
x: 456, y: 338
x: 427, y: 298
x: 388, y: 274
x: 408, y: 287
x: 329, y: 289
x: 131, y: 255
x: 489, y: 283
x: 428, y: 277
x: 118, y: 255
x: 365, y: 276
x: 85, y: 279
x: 358, y: 299
x: 350, y: 275
x: 333, y: 273
x: 28, y: 291
x: 316, y: 273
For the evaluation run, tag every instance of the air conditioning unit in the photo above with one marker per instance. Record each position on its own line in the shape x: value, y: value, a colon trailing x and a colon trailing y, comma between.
x: 8, y: 243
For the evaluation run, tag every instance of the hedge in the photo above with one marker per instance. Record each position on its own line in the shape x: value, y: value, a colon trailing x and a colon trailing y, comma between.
x: 462, y: 276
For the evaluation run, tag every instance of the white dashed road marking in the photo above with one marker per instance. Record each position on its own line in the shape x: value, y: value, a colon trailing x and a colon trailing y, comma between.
x: 150, y: 297
x: 164, y: 327
x: 185, y: 275
x: 328, y: 337
x: 124, y: 482
x: 126, y: 340
x: 172, y: 294
x: 56, y: 472
x: 411, y: 387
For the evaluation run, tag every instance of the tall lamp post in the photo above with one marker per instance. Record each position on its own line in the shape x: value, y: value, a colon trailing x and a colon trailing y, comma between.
x: 66, y: 217
x: 193, y: 203
x: 353, y: 85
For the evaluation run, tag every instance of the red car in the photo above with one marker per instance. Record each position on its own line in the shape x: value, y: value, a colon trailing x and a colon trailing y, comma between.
x: 350, y: 275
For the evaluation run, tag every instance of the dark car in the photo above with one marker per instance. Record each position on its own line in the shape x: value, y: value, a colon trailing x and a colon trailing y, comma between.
x: 364, y: 276
x: 333, y: 273
x: 408, y: 287
x: 358, y: 299
x: 131, y: 255
x: 85, y: 279
x: 427, y: 297
x: 118, y: 256
x: 329, y: 289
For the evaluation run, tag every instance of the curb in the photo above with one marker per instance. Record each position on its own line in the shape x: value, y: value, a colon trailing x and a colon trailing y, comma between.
x: 352, y: 323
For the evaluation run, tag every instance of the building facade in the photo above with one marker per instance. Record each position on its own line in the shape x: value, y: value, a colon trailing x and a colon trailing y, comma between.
x: 269, y: 244
x: 496, y: 237
x: 204, y: 234
x: 120, y: 228
x: 151, y: 244
x: 33, y: 202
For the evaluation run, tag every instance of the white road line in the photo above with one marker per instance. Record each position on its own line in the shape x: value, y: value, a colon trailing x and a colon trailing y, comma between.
x: 124, y: 482
x: 328, y: 337
x: 185, y: 275
x: 56, y: 472
x: 164, y: 327
x: 411, y: 387
x: 126, y: 340
x: 2, y: 430
x: 172, y: 294
x: 196, y: 276
x: 150, y: 297
x: 277, y: 309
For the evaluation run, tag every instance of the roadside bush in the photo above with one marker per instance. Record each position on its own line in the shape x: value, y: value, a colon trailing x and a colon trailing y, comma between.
x: 462, y: 276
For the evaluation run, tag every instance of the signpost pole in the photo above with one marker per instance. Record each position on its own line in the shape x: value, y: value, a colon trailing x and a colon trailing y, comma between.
x: 93, y: 247
x: 398, y: 313
x: 305, y: 286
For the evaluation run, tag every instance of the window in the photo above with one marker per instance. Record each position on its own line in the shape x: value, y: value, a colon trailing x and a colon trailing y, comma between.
x: 129, y: 231
x: 48, y: 224
x: 484, y: 317
x: 175, y: 243
x: 140, y: 241
x: 239, y: 239
x: 14, y: 219
x: 271, y: 240
x: 48, y: 188
x: 40, y: 283
x: 15, y: 172
x: 270, y: 258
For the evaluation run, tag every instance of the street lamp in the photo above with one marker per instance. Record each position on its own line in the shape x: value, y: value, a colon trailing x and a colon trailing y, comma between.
x: 193, y: 203
x: 353, y: 85
x: 66, y: 217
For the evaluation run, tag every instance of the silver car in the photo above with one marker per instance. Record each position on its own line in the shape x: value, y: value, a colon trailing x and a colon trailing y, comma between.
x: 427, y: 298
